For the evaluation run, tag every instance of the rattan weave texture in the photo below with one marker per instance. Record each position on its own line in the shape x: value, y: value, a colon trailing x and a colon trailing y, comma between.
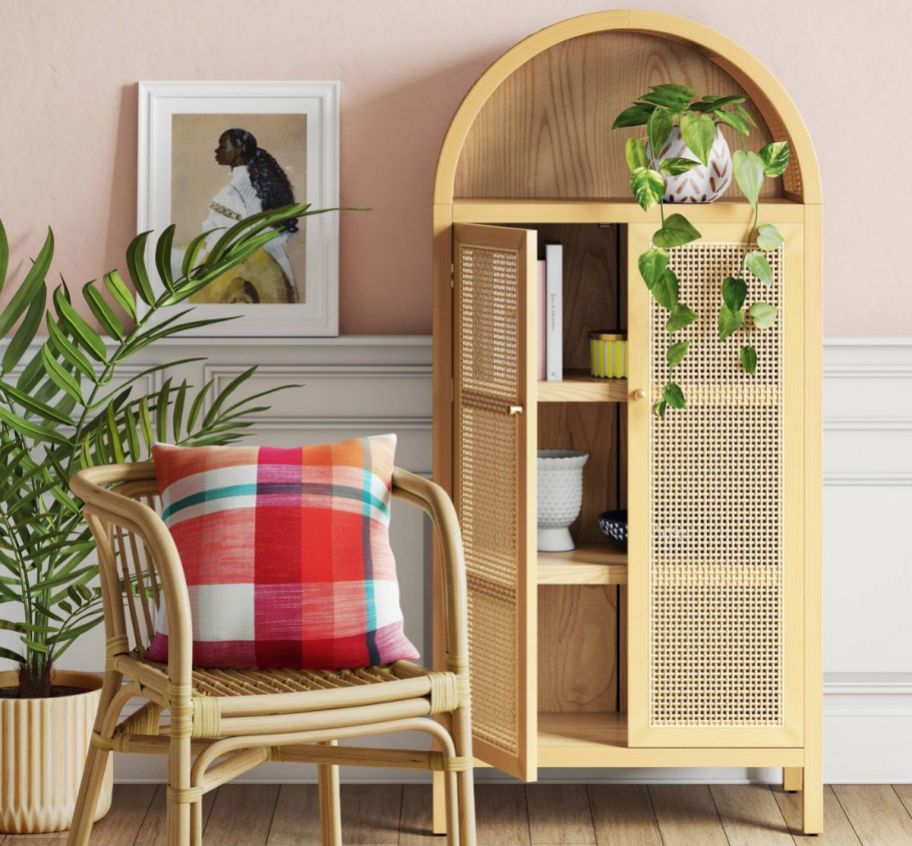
x: 716, y: 546
x: 487, y: 483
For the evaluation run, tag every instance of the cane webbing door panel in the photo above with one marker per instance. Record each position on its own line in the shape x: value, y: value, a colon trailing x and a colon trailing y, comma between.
x: 494, y: 484
x: 715, y: 508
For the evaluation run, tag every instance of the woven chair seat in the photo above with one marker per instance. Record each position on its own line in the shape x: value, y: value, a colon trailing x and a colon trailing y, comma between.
x: 222, y: 682
x: 227, y: 700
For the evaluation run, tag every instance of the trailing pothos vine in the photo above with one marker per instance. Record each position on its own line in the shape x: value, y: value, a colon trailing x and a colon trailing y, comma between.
x: 661, y: 110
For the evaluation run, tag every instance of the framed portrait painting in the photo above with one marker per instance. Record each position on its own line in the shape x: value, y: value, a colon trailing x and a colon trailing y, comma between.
x: 213, y: 153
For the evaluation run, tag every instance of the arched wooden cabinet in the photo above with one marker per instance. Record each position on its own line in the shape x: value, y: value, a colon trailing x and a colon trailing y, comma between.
x: 701, y: 646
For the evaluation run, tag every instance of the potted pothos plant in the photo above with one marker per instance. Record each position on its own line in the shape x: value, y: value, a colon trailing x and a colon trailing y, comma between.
x: 65, y: 403
x: 682, y: 135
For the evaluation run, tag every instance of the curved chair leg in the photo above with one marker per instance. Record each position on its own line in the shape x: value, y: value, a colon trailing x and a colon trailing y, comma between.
x: 94, y: 770
x: 466, y: 792
x: 330, y: 804
x: 87, y: 799
x: 178, y: 812
x: 438, y: 800
x: 196, y: 823
x: 462, y: 740
x: 452, y: 809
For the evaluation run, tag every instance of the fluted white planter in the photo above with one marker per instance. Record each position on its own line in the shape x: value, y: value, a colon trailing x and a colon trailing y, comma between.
x: 43, y: 746
x: 560, y: 496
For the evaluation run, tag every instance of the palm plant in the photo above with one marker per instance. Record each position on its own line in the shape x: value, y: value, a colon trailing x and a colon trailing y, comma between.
x: 66, y: 408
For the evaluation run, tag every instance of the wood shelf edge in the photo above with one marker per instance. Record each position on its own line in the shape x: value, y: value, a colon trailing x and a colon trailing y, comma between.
x: 579, y: 386
x: 588, y: 564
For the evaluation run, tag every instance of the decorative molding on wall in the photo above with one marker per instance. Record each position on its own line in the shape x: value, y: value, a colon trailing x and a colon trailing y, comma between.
x: 867, y: 563
x: 372, y: 384
x: 867, y: 480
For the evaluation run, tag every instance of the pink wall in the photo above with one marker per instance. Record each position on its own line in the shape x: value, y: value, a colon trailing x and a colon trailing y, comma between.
x: 68, y: 112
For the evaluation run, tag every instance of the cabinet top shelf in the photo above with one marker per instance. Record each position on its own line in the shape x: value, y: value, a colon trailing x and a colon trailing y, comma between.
x: 469, y: 210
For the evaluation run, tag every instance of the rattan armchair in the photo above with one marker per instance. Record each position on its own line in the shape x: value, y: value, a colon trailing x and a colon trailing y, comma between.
x: 222, y: 723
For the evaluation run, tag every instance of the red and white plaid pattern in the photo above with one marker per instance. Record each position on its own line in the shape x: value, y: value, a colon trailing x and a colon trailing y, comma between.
x: 286, y: 554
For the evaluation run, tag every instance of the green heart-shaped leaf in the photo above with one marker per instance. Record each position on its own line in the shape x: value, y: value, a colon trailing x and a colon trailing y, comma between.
x: 712, y: 102
x: 749, y: 173
x: 733, y: 292
x: 636, y: 115
x: 748, y: 358
x: 768, y: 237
x: 674, y: 355
x: 730, y: 321
x: 763, y: 315
x: 665, y: 290
x: 775, y: 158
x: 698, y: 132
x: 676, y: 232
x: 659, y: 127
x: 759, y: 266
x: 658, y: 408
x: 648, y: 187
x: 734, y: 121
x: 671, y: 95
x: 635, y: 151
x: 681, y: 316
x: 744, y: 114
x: 652, y: 265
x: 674, y: 396
x: 675, y: 166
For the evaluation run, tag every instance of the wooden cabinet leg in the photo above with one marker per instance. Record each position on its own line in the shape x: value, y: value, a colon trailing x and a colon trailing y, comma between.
x: 439, y: 800
x: 812, y: 800
x: 791, y: 779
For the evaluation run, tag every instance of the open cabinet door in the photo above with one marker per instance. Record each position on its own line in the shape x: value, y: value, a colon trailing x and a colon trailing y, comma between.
x: 493, y: 468
x: 715, y: 507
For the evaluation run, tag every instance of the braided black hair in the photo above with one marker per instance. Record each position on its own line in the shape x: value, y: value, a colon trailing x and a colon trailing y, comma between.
x: 269, y: 181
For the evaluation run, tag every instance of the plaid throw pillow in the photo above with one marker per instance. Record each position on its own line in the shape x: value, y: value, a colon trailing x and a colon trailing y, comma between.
x: 286, y: 554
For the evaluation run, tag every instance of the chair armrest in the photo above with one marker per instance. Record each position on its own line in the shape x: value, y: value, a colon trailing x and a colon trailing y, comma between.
x: 106, y: 508
x: 435, y: 501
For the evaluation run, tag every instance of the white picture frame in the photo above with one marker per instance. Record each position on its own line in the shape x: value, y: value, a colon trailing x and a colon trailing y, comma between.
x: 159, y: 102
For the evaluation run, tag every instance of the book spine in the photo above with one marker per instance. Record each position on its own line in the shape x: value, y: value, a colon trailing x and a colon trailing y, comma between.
x: 542, y: 320
x: 554, y: 272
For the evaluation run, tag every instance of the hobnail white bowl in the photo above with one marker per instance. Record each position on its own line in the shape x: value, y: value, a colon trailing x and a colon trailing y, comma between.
x: 560, y: 496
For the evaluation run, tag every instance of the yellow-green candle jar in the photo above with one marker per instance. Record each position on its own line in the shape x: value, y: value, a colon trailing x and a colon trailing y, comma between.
x: 608, y: 355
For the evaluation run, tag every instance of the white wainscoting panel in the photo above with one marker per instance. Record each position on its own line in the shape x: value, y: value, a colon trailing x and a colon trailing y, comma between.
x: 361, y: 385
x: 867, y: 582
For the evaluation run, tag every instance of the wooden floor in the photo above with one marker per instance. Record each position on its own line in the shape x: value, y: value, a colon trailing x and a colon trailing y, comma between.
x: 517, y: 815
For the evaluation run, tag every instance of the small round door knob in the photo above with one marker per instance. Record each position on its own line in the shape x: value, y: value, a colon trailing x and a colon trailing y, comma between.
x: 639, y: 394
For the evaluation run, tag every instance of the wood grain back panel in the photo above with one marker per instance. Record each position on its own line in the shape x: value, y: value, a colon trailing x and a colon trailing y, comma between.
x: 577, y: 648
x: 546, y: 131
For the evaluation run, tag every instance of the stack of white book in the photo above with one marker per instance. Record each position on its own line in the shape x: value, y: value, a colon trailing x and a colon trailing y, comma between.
x: 550, y: 314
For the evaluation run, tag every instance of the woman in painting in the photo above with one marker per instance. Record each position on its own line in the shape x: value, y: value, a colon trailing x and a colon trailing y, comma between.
x: 257, y: 183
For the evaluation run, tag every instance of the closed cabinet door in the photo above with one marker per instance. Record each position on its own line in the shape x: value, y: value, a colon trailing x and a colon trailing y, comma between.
x: 493, y: 473
x: 715, y: 506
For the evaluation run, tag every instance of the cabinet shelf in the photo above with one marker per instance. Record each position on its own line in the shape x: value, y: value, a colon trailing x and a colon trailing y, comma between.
x: 588, y: 564
x: 579, y: 386
x: 568, y: 730
x: 509, y: 210
x: 600, y: 739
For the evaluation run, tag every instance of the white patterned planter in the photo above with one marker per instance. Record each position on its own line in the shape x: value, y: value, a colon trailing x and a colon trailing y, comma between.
x: 703, y: 183
x: 43, y: 746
